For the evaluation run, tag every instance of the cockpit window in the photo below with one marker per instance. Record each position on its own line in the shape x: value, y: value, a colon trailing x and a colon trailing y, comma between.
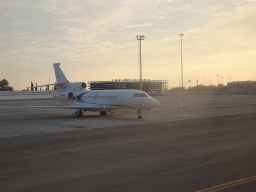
x: 136, y: 95
x: 143, y: 95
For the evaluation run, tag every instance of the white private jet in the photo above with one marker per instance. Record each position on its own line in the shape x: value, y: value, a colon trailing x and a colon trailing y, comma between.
x: 75, y: 97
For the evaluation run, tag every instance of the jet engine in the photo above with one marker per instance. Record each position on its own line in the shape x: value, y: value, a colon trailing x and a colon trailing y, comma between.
x: 77, y: 85
x: 63, y: 95
x: 83, y: 85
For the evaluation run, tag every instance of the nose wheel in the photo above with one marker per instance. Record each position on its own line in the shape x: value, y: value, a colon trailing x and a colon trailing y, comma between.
x: 139, y: 114
x: 78, y: 113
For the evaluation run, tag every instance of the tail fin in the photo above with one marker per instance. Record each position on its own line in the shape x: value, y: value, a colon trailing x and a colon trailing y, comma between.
x: 60, y: 77
x: 62, y: 82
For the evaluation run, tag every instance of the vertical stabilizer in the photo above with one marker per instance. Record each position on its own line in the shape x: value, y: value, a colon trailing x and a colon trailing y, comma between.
x: 60, y: 77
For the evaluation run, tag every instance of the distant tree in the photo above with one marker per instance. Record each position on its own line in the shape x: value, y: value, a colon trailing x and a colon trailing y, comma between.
x: 32, y: 89
x: 199, y: 88
x: 203, y: 88
x: 36, y: 87
x: 177, y: 89
x: 4, y: 86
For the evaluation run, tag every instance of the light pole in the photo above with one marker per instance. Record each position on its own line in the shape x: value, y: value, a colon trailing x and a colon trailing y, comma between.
x: 48, y: 84
x: 181, y: 105
x: 218, y: 80
x: 140, y: 38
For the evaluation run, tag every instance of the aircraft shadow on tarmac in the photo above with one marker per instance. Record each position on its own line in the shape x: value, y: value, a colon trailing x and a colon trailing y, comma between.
x: 52, y: 114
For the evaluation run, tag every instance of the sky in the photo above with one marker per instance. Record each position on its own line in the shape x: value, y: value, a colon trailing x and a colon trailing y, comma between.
x: 95, y: 40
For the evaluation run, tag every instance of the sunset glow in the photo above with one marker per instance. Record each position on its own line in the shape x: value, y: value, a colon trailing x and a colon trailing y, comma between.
x: 96, y: 40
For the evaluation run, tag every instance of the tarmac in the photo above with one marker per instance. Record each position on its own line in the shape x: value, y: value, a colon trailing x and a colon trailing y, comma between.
x: 38, y: 121
x: 208, y: 146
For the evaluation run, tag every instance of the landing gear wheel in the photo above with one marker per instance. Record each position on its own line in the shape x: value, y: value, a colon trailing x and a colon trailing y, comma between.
x: 103, y: 112
x: 138, y: 113
x: 78, y: 113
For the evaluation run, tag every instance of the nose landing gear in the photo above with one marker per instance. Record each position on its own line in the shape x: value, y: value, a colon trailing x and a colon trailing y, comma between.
x: 139, y: 113
x: 103, y: 112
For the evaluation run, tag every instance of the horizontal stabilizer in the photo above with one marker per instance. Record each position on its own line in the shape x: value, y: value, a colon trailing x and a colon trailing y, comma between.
x: 56, y: 84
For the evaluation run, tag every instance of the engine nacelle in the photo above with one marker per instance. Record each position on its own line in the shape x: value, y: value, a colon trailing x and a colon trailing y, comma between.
x: 63, y: 95
x: 83, y: 85
x: 76, y: 85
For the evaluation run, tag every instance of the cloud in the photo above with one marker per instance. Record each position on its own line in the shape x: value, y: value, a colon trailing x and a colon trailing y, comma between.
x: 113, y: 17
x: 60, y: 7
x: 137, y: 26
x: 102, y: 33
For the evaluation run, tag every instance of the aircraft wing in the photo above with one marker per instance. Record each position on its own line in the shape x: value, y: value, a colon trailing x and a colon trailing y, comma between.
x: 44, y: 107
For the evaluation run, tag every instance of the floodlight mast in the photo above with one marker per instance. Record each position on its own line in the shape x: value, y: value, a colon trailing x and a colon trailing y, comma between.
x: 181, y: 105
x: 140, y: 38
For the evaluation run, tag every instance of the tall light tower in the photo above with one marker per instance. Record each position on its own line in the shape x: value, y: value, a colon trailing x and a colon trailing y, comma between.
x: 140, y: 38
x: 181, y: 105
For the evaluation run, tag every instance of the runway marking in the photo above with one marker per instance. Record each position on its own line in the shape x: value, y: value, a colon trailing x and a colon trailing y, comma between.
x: 229, y: 184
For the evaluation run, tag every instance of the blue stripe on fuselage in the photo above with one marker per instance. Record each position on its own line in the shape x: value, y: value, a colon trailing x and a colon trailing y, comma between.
x: 80, y: 99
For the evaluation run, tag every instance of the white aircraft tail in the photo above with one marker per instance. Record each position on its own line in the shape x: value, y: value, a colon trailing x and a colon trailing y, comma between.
x: 60, y: 77
x: 63, y: 84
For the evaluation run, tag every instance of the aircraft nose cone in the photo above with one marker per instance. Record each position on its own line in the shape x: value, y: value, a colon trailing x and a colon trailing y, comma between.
x: 155, y: 103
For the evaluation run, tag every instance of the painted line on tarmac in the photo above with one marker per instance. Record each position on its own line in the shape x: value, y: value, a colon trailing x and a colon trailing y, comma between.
x: 229, y: 184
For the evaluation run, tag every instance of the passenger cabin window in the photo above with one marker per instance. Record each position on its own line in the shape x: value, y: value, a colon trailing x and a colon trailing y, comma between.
x: 143, y: 95
x: 136, y: 95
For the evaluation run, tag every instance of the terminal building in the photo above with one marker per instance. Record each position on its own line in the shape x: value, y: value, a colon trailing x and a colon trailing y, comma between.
x: 152, y: 87
x: 242, y: 86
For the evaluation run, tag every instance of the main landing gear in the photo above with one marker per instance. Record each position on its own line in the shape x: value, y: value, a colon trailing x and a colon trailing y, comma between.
x: 138, y: 113
x: 78, y: 113
x: 103, y: 112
